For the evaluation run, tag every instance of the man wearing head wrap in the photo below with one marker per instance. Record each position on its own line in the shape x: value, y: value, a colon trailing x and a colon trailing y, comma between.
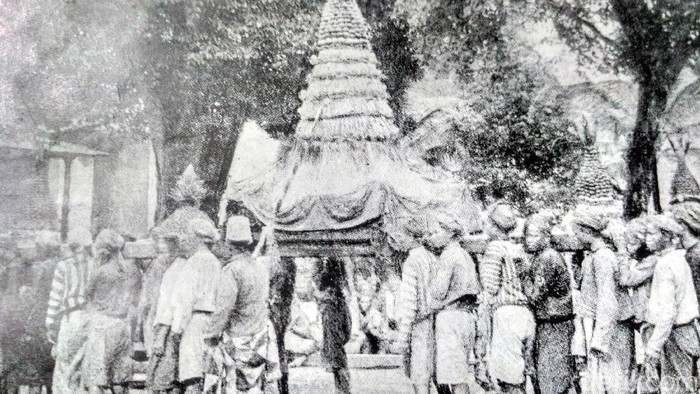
x: 636, y: 268
x: 687, y: 213
x: 547, y: 284
x: 166, y: 247
x: 167, y: 326
x: 504, y: 316
x: 241, y: 321
x: 195, y: 296
x: 605, y: 308
x: 672, y: 312
x: 65, y: 315
x: 454, y: 289
x: 112, y: 294
x: 415, y: 321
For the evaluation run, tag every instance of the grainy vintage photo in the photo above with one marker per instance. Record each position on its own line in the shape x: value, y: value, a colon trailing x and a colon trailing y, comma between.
x: 349, y: 196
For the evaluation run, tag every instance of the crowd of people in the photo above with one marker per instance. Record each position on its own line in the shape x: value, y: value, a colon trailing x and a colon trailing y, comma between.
x: 619, y: 316
x: 204, y: 325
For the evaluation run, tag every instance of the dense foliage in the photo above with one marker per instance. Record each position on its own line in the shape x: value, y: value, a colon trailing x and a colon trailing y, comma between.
x: 654, y: 41
x: 524, y: 151
x: 518, y: 148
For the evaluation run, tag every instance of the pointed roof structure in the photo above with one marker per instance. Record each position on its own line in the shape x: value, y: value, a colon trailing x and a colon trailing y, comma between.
x: 344, y: 167
x: 593, y: 185
x: 684, y: 184
x: 346, y: 97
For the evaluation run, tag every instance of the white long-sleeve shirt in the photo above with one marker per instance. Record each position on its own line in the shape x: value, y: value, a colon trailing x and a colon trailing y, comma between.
x: 414, y: 290
x: 168, y: 308
x: 672, y: 300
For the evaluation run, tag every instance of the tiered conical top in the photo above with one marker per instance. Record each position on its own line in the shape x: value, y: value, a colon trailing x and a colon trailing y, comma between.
x: 346, y: 98
x: 684, y: 184
x: 593, y: 184
x: 344, y: 167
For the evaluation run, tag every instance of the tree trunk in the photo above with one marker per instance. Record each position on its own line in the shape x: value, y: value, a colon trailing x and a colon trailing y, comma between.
x: 641, y: 155
x: 220, y: 140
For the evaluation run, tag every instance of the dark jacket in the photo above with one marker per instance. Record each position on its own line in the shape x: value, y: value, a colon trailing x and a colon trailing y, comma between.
x: 241, y: 298
x: 547, y: 285
x: 692, y: 256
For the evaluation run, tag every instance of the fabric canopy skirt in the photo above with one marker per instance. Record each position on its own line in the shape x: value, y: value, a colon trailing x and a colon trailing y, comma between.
x: 343, y: 184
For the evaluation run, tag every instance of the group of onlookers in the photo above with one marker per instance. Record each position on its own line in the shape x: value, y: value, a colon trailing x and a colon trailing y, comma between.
x: 92, y: 297
x: 204, y: 325
x: 619, y: 316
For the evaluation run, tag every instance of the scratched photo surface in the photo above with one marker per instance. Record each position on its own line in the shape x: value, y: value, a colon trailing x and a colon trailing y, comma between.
x: 349, y: 196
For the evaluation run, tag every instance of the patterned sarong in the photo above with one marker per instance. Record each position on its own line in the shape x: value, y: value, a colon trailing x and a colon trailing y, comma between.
x: 245, y: 364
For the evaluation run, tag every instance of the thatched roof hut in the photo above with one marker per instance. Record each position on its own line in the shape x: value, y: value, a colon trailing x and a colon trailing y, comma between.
x: 344, y: 168
x: 684, y: 183
x: 593, y: 184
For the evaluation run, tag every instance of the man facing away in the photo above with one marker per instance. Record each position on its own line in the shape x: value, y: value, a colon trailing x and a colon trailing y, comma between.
x: 167, y: 325
x: 65, y: 316
x: 416, y: 323
x: 606, y: 307
x: 240, y: 324
x: 454, y: 291
x: 197, y: 302
x: 150, y: 289
x: 331, y: 282
x: 547, y: 284
x: 504, y: 316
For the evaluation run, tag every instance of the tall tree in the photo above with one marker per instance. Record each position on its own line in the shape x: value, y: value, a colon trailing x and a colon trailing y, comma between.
x: 77, y: 78
x: 452, y: 34
x: 214, y: 64
x: 653, y: 40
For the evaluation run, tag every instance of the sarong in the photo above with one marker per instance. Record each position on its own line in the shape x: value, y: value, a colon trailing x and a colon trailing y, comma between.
x: 107, y: 360
x: 455, y: 332
x: 162, y: 371
x: 555, y: 368
x: 613, y: 374
x: 71, y: 337
x: 255, y: 360
x: 680, y: 352
x: 192, y: 357
x: 421, y: 358
x: 513, y: 331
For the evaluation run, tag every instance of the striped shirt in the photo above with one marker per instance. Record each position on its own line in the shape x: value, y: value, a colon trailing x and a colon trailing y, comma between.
x: 414, y: 290
x: 499, y: 276
x: 70, y: 280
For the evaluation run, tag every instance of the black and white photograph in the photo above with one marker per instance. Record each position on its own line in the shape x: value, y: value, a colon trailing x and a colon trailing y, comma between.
x: 349, y: 196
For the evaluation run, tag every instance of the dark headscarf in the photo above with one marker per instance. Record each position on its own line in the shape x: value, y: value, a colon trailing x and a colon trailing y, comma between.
x: 542, y: 222
x: 688, y: 212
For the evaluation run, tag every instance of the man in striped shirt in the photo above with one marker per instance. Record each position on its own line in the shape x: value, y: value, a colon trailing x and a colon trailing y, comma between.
x: 504, y: 315
x: 64, y: 317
